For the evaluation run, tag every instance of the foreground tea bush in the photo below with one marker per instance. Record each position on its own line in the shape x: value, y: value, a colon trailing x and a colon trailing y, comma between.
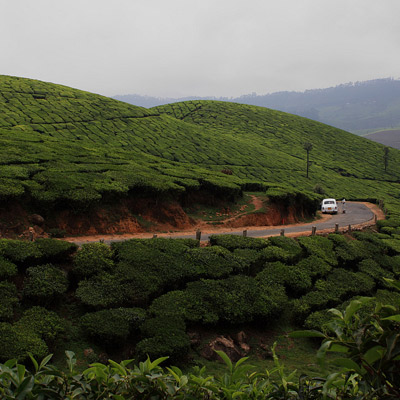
x: 364, y: 338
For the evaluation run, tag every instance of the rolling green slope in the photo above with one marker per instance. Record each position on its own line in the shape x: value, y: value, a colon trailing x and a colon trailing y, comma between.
x: 343, y: 163
x: 62, y: 144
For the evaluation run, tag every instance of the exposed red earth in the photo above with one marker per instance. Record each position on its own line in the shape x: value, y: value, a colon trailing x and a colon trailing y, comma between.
x: 258, y: 230
x: 145, y: 217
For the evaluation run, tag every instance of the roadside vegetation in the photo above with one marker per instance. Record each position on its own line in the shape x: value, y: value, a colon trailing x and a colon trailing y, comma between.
x: 141, y: 297
x: 360, y: 335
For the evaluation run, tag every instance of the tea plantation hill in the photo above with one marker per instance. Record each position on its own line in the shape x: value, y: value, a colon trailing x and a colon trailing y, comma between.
x: 62, y: 147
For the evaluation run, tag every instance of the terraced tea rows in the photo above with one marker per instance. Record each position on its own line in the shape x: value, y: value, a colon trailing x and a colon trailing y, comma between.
x: 63, y: 145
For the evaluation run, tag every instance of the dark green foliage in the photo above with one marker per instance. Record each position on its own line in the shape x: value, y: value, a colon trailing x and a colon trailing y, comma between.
x: 8, y: 299
x: 314, y: 266
x: 7, y: 269
x: 20, y: 252
x: 296, y: 280
x: 55, y: 250
x: 317, y: 320
x: 319, y: 246
x: 113, y: 325
x: 349, y: 252
x: 363, y: 335
x: 290, y: 245
x: 396, y: 265
x: 146, y: 268
x: 251, y: 259
x: 389, y: 223
x: 102, y: 291
x: 275, y: 253
x: 372, y: 268
x: 44, y: 323
x: 313, y: 301
x: 232, y: 242
x: 131, y: 250
x: 390, y: 263
x: 16, y: 343
x: 173, y: 304
x: 388, y: 230
x: 45, y: 283
x: 237, y: 299
x: 368, y: 346
x: 91, y: 259
x: 340, y: 284
x: 388, y: 297
x: 393, y: 246
x: 166, y: 336
x: 41, y: 251
x: 274, y: 273
x: 211, y: 262
x: 346, y: 283
x: 373, y: 238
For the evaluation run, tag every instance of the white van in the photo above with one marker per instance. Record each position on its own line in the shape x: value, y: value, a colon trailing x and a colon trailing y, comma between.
x: 329, y: 206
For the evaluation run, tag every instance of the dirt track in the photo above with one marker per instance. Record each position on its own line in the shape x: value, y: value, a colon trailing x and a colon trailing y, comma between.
x: 358, y: 215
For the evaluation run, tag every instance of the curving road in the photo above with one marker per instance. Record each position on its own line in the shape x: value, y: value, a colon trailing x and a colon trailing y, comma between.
x: 356, y: 214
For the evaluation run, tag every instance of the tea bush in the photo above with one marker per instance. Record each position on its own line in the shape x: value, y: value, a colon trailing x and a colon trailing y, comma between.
x: 53, y: 251
x: 7, y: 269
x: 372, y: 268
x: 91, y: 259
x: 293, y: 278
x: 350, y: 252
x: 8, y: 300
x: 251, y: 260
x: 211, y: 262
x: 347, y: 283
x: 45, y: 283
x: 389, y: 222
x: 317, y: 320
x: 46, y: 324
x: 290, y: 245
x: 102, y: 291
x: 20, y: 252
x: 165, y: 336
x: 275, y: 253
x: 393, y: 246
x: 16, y: 343
x: 314, y: 266
x: 174, y: 304
x: 112, y: 325
x: 319, y: 246
x: 232, y: 242
x: 237, y: 299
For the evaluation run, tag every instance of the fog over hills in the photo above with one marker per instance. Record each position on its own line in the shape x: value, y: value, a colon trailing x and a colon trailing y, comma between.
x: 359, y: 107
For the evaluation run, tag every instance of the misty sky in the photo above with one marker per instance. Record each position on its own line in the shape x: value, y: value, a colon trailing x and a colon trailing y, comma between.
x: 175, y: 48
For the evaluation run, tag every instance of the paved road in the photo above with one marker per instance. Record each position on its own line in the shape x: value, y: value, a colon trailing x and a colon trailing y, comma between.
x: 356, y: 213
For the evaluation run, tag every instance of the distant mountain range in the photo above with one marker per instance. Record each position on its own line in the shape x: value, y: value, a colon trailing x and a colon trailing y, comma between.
x: 360, y: 107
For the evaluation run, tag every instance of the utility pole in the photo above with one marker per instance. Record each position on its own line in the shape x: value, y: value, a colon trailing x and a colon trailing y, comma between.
x: 386, y: 157
x: 308, y: 147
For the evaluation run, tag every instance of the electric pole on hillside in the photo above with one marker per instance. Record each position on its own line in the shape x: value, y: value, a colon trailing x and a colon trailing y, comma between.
x: 386, y: 157
x: 308, y: 147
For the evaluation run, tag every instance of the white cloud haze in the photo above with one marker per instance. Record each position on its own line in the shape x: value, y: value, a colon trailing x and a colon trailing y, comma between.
x: 210, y: 48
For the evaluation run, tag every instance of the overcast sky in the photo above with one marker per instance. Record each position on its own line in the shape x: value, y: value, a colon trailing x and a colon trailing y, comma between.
x: 174, y: 48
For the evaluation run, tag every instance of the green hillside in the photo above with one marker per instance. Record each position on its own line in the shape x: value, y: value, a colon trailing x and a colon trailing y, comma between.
x: 62, y: 145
